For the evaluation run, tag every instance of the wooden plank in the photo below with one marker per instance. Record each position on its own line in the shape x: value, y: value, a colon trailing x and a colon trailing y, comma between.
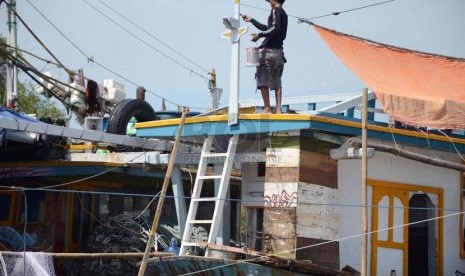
x: 279, y: 225
x: 231, y: 249
x: 277, y: 195
x: 282, y: 157
x: 317, y: 169
x: 315, y: 220
x: 282, y: 174
x: 162, y: 196
x: 124, y: 255
x: 285, y: 142
x: 318, y: 146
x: 325, y: 255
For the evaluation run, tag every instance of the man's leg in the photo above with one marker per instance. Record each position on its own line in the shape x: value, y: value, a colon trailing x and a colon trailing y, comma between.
x: 278, y: 100
x: 266, y: 99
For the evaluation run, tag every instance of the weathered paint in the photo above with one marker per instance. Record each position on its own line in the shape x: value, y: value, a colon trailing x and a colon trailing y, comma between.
x: 387, y: 167
x: 317, y: 217
x: 279, y: 225
x: 253, y: 186
x: 280, y: 195
x: 282, y: 157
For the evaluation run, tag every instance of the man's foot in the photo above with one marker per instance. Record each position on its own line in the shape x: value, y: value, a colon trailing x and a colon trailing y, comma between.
x: 266, y: 110
x: 278, y: 111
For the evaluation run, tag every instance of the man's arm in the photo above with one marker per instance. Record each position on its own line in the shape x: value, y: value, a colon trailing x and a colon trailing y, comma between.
x: 257, y: 24
x: 275, y: 27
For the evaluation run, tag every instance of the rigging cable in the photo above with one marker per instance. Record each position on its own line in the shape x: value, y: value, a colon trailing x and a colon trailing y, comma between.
x: 405, y: 225
x: 89, y: 59
x: 154, y: 37
x: 307, y: 20
x: 146, y: 43
x: 339, y: 205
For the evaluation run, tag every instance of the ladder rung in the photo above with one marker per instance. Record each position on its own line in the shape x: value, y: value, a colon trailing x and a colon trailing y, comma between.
x: 209, y: 177
x: 189, y: 244
x: 205, y: 199
x: 200, y: 221
x: 210, y: 155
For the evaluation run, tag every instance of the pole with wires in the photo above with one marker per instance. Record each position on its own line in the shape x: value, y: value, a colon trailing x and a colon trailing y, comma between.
x: 12, y: 72
x: 161, y: 199
x: 364, y: 183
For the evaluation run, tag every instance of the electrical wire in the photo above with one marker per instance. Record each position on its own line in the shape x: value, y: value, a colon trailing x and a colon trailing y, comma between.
x: 56, y: 28
x: 89, y: 58
x: 153, y: 36
x: 144, y: 42
x: 307, y: 20
x: 326, y: 242
x: 92, y: 176
x: 453, y: 144
x: 13, y: 188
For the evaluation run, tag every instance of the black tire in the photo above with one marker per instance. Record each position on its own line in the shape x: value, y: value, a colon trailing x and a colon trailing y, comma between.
x: 141, y: 110
x: 124, y: 111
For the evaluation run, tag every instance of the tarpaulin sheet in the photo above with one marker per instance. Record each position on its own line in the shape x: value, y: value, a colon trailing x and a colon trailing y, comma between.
x: 413, y: 87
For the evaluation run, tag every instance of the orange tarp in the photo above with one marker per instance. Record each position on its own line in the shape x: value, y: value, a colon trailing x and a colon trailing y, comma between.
x: 413, y: 87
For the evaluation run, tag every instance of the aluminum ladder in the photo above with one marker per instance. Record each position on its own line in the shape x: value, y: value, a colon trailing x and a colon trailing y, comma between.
x: 219, y: 199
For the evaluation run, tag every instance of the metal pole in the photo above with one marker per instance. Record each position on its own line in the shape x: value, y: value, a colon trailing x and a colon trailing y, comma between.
x: 12, y: 71
x: 364, y: 184
x: 161, y: 200
x: 213, y: 91
x: 233, y: 117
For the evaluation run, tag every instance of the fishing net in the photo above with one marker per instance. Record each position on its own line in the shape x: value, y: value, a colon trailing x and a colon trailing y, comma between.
x: 35, y: 264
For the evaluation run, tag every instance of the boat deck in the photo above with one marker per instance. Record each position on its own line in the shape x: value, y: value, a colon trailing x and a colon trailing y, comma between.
x: 250, y: 124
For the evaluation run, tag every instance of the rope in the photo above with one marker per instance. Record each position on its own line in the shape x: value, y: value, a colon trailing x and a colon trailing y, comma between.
x: 326, y: 242
x: 144, y: 42
x: 154, y: 37
x: 89, y: 58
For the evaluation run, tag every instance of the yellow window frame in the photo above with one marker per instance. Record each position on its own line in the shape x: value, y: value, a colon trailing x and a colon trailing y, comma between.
x: 397, y: 190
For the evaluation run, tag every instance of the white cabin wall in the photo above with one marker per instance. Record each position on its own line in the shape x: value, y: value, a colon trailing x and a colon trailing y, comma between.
x: 253, y: 186
x: 388, y: 167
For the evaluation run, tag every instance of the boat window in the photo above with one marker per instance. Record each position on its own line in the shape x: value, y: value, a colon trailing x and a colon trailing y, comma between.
x: 35, y: 201
x: 128, y: 204
x: 261, y: 169
x: 103, y: 207
x: 5, y: 207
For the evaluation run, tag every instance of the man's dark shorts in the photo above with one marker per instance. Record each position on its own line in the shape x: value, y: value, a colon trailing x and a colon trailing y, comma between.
x: 271, y: 68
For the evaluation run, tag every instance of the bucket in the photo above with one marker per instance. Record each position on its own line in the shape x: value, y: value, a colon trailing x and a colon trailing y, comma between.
x: 253, y: 56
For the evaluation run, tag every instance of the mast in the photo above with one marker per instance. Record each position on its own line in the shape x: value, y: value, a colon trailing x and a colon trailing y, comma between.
x: 12, y: 71
x: 234, y: 34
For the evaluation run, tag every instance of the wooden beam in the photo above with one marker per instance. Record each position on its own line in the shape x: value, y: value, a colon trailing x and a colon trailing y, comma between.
x: 231, y: 249
x: 364, y: 182
x: 410, y: 155
x: 161, y: 199
x: 123, y: 255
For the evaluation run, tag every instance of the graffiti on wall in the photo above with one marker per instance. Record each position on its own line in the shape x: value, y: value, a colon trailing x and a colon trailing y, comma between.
x: 281, y: 199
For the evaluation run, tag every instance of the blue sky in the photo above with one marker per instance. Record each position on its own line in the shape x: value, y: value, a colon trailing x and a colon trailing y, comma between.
x: 193, y: 28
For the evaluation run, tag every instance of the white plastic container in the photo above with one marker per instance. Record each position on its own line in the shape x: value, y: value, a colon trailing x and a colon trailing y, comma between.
x: 93, y: 123
x: 253, y: 56
x: 109, y: 83
x: 114, y: 95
